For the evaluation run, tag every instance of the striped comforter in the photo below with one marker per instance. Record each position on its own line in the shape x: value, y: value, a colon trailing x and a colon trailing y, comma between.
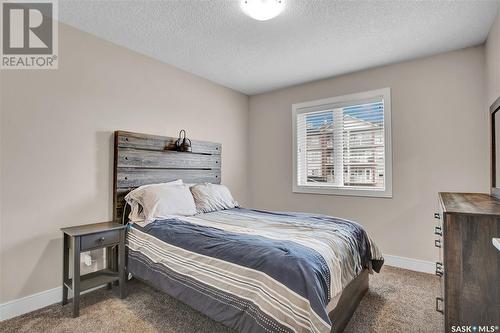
x: 254, y: 271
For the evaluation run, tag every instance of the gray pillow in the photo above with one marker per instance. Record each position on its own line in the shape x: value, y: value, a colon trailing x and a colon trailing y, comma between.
x: 212, y: 197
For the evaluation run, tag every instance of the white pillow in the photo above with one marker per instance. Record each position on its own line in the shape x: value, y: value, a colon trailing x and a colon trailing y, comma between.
x: 155, y: 201
x: 164, y: 201
x: 212, y: 197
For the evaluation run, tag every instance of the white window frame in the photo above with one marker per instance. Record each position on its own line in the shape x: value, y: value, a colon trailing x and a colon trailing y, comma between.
x: 338, y: 102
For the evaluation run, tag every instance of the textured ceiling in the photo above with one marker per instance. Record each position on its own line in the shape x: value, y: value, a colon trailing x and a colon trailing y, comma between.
x: 310, y: 40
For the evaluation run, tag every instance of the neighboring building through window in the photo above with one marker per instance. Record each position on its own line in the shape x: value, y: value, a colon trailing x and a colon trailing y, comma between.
x: 342, y: 145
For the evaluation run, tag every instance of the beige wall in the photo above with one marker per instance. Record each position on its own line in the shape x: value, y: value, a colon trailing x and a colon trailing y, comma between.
x: 56, y: 127
x: 493, y: 61
x: 439, y: 142
x: 56, y: 162
x: 1, y: 185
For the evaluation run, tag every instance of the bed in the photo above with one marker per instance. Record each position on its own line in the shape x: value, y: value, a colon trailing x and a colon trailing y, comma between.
x: 252, y: 270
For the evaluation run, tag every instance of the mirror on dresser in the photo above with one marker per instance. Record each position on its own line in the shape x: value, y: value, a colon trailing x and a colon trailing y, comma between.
x: 495, y: 148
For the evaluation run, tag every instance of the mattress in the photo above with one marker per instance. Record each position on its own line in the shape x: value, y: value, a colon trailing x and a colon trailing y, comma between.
x: 254, y: 271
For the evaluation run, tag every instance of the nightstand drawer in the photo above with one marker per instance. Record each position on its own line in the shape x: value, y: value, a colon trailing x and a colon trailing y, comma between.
x: 98, y: 240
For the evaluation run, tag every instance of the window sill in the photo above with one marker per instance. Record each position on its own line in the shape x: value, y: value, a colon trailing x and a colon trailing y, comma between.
x: 387, y: 193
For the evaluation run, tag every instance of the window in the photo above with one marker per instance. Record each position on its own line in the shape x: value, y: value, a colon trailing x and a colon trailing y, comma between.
x: 342, y: 145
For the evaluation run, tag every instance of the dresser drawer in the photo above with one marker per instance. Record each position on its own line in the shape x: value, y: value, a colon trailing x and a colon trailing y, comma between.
x: 438, y: 243
x: 98, y: 240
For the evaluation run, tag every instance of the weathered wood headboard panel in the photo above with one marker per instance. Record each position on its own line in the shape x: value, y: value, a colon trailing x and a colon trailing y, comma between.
x: 141, y: 159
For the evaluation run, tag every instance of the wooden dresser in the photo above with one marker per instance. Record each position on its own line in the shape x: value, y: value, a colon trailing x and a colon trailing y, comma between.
x: 469, y: 264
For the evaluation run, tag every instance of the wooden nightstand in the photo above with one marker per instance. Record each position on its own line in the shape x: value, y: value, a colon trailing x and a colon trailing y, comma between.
x: 90, y: 237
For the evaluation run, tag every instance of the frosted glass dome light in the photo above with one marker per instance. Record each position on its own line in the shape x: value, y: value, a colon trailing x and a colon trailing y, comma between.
x: 262, y: 10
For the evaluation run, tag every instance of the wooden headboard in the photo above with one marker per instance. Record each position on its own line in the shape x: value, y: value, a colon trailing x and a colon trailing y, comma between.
x: 141, y: 159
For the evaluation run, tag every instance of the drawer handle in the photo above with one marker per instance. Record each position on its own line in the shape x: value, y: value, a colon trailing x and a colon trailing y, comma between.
x: 437, y: 243
x: 438, y: 231
x: 439, y: 269
x: 438, y: 309
x: 100, y: 240
x: 437, y: 216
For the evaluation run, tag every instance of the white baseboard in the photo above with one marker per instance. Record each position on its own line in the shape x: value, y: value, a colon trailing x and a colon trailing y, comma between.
x: 410, y: 264
x: 34, y: 302
x: 30, y: 303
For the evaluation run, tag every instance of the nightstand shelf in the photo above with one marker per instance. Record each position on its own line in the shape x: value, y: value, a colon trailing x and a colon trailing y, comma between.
x: 94, y: 279
x: 78, y: 239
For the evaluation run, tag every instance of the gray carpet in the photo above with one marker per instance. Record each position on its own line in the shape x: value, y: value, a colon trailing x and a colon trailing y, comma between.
x: 398, y: 301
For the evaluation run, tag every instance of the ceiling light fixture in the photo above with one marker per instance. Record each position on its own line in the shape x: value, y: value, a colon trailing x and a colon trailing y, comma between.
x: 262, y: 10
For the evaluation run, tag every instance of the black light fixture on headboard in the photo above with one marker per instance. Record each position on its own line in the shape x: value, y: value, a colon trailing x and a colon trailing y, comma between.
x: 183, y: 143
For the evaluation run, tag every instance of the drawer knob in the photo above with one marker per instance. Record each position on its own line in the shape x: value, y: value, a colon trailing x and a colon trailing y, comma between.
x: 439, y: 269
x: 438, y: 309
x: 437, y: 243
x: 438, y: 231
